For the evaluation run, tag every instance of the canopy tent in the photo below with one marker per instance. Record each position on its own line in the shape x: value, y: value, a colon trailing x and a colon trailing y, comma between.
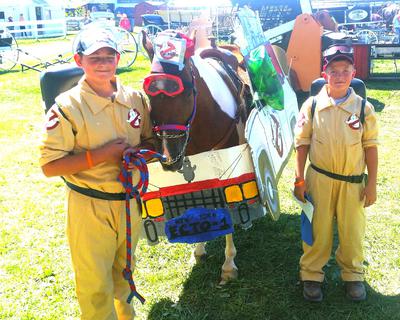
x: 73, y: 4
x: 35, y: 10
x: 198, y: 4
x: 23, y: 3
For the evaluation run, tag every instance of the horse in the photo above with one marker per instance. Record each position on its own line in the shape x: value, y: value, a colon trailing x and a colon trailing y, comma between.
x: 187, y: 117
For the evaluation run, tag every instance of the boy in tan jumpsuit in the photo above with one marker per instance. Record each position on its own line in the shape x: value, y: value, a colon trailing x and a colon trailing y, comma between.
x: 87, y: 131
x: 340, y: 145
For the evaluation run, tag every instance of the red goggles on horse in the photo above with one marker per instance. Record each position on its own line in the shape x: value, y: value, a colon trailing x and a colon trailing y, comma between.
x: 167, y: 84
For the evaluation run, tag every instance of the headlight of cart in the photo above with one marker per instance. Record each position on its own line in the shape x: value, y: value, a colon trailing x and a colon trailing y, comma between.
x: 250, y: 190
x: 233, y: 194
x: 154, y: 208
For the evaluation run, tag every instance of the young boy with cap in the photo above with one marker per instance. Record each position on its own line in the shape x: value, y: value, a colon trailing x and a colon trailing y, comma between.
x: 341, y: 140
x: 87, y: 131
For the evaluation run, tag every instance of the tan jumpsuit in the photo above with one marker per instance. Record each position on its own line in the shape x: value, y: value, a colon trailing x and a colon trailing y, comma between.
x: 96, y: 228
x: 337, y: 141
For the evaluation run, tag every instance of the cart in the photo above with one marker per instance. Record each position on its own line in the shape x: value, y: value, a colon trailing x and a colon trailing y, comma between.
x: 8, y: 50
x: 154, y: 23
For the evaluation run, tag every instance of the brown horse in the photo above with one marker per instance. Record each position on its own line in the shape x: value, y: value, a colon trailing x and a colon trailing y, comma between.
x: 187, y: 116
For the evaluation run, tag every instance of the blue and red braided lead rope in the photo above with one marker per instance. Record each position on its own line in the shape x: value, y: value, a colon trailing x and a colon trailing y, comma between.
x: 136, y: 159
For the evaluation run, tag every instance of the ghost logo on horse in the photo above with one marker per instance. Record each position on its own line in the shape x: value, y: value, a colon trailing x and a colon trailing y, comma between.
x: 196, y: 106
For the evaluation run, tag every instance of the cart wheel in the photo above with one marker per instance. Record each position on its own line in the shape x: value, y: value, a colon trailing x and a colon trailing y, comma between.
x: 127, y: 46
x: 9, y: 52
x: 269, y: 189
x: 152, y: 30
x: 367, y: 36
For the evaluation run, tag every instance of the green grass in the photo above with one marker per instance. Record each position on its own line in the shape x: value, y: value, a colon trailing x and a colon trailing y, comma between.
x: 36, y: 279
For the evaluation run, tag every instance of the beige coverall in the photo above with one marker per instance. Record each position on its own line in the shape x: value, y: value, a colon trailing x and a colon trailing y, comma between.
x: 337, y: 141
x: 96, y: 228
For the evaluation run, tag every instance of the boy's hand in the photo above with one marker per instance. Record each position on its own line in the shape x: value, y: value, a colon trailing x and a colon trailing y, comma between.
x: 113, y: 150
x: 299, y: 192
x: 368, y: 194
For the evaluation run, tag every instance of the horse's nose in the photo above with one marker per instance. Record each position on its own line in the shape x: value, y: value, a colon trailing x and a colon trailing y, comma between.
x: 169, y: 161
x: 166, y: 153
x: 174, y: 166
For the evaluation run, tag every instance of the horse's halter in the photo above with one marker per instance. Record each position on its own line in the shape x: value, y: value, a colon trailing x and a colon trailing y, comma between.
x: 183, y: 129
x: 166, y: 81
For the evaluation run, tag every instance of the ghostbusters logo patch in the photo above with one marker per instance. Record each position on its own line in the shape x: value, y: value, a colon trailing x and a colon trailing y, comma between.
x: 301, y: 120
x: 354, y: 122
x: 168, y: 50
x: 52, y: 120
x: 134, y: 118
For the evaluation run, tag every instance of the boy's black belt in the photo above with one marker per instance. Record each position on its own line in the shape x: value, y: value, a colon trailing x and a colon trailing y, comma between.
x: 351, y: 179
x: 96, y: 193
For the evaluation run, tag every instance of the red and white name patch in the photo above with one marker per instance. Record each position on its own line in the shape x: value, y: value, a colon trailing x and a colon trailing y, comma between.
x: 52, y: 120
x: 134, y: 118
x: 354, y: 122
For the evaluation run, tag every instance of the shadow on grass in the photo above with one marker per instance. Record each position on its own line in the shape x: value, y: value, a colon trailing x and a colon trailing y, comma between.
x: 384, y: 85
x: 268, y: 286
x: 378, y: 105
x: 14, y: 70
x: 136, y: 67
x: 123, y: 70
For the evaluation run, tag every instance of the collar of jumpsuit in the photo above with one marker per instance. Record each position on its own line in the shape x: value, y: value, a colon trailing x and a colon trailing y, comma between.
x: 98, y: 103
x: 325, y: 101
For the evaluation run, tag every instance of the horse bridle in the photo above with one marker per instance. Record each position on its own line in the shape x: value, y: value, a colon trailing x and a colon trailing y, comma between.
x: 160, y: 130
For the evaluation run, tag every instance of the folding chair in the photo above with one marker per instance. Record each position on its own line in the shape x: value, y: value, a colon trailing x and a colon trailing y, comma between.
x: 56, y: 80
x: 357, y: 84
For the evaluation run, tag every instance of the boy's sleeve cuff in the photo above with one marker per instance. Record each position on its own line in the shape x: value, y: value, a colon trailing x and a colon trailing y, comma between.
x: 302, y: 142
x: 370, y: 143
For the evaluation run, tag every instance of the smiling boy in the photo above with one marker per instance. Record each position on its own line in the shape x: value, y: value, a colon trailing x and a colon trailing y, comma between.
x: 88, y: 129
x: 339, y: 134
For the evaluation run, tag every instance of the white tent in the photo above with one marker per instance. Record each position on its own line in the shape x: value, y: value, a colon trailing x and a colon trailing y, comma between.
x: 34, y: 10
x: 197, y: 3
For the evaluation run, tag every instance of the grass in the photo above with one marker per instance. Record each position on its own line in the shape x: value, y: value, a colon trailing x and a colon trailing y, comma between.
x: 36, y: 280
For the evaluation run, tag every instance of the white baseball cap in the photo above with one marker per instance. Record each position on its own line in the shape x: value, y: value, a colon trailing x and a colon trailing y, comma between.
x: 93, y: 39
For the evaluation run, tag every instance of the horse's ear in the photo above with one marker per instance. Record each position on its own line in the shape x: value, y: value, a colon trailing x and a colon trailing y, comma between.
x: 147, y: 45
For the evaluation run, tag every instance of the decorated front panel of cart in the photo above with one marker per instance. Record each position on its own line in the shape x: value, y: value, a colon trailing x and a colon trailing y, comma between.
x: 198, y: 197
x: 269, y: 128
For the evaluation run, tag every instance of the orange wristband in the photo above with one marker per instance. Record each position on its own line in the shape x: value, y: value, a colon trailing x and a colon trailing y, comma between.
x: 89, y: 159
x: 299, y: 182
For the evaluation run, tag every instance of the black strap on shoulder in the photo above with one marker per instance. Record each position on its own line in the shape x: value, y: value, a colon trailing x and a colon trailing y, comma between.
x: 61, y: 112
x: 313, y: 105
x: 362, y: 111
x: 64, y: 116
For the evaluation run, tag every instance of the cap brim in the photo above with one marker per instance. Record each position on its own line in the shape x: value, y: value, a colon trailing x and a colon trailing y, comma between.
x: 98, y: 46
x: 338, y: 57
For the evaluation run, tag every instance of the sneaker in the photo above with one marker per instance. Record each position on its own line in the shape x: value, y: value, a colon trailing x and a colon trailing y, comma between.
x: 312, y: 291
x: 355, y: 290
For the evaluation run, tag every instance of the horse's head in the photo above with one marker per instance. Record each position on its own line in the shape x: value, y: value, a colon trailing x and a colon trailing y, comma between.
x: 171, y: 91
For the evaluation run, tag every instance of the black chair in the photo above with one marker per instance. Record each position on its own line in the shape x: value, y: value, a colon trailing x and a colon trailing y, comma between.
x: 357, y: 84
x: 56, y: 80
